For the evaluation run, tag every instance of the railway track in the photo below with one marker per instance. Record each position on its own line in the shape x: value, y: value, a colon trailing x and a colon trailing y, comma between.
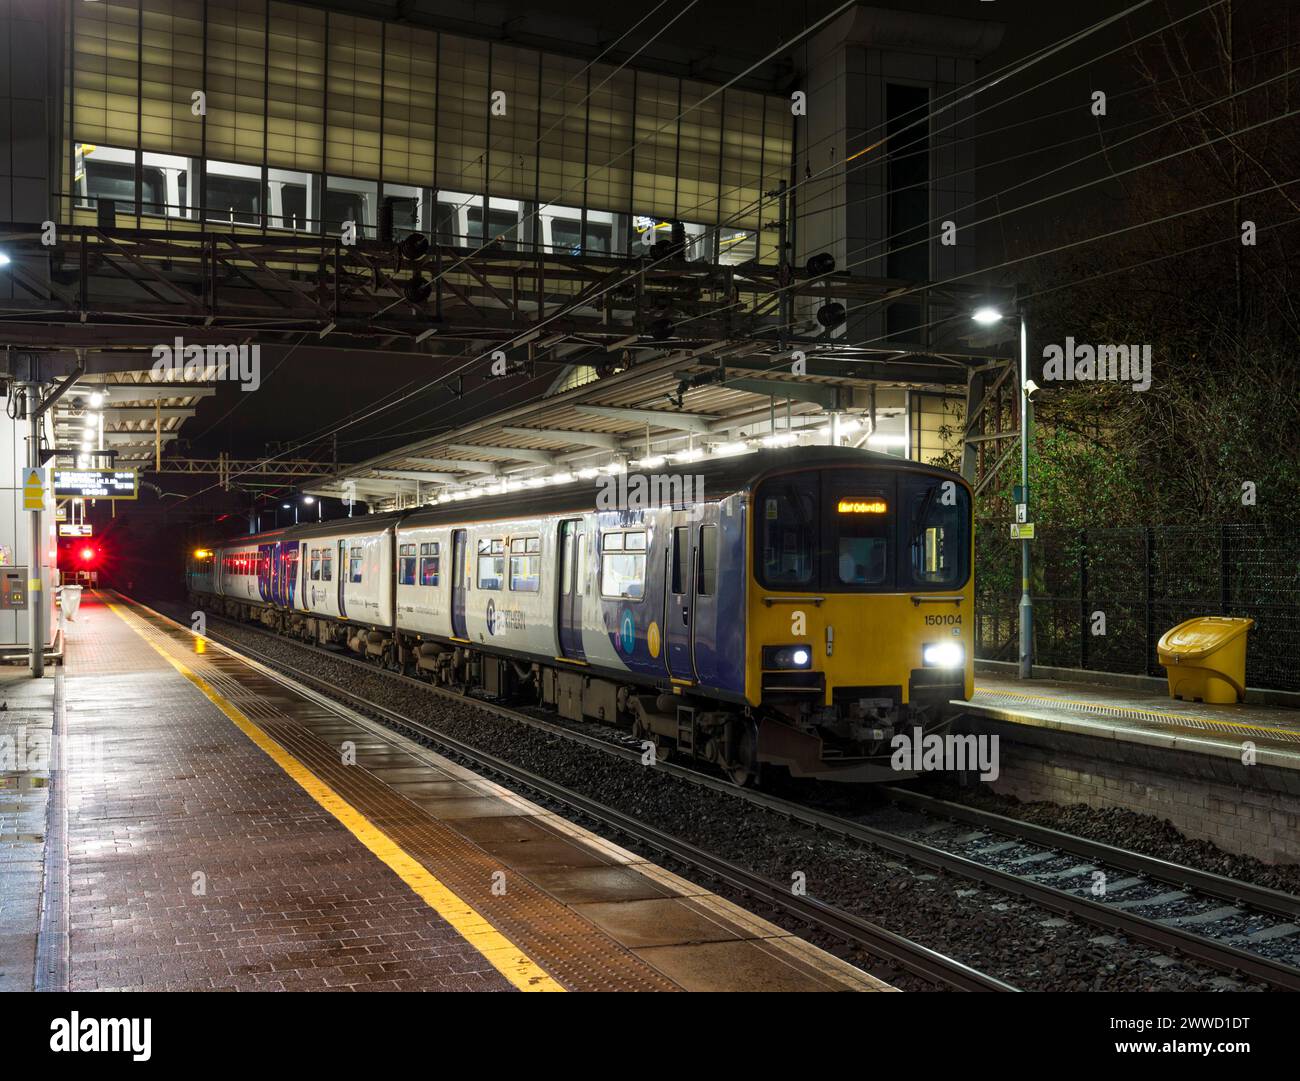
x: 1110, y: 911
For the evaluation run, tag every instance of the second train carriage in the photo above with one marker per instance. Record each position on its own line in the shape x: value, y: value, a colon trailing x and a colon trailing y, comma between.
x: 796, y: 608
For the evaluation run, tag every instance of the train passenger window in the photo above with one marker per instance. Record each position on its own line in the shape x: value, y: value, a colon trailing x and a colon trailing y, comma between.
x: 406, y: 565
x: 430, y: 560
x: 622, y: 565
x: 491, y: 563
x: 354, y: 564
x: 707, y: 577
x: 526, y: 564
x: 315, y: 564
x: 787, y: 511
x: 327, y: 564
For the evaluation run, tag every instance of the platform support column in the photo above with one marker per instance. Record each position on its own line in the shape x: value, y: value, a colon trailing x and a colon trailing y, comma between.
x: 35, y: 598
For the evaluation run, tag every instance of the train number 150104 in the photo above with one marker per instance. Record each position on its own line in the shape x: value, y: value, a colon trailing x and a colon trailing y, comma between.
x: 943, y: 621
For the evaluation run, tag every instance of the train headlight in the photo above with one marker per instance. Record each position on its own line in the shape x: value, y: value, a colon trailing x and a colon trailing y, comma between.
x: 775, y: 657
x: 944, y: 655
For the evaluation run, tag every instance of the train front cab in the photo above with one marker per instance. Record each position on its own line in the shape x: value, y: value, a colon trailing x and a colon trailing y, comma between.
x: 861, y: 617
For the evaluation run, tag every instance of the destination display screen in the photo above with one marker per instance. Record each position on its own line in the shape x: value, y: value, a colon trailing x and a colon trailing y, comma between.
x: 95, y: 483
x: 862, y: 505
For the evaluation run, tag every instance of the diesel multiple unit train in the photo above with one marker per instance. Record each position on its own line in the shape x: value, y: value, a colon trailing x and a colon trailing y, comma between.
x: 790, y: 608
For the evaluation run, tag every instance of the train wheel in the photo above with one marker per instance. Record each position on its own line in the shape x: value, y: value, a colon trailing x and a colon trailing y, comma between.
x: 742, y: 769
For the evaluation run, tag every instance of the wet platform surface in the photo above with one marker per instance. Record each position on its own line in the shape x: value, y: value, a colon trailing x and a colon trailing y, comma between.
x: 26, y: 723
x: 236, y: 832
x: 1140, y: 715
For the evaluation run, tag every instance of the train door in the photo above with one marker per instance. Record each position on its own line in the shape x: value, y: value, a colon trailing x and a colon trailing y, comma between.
x: 679, y: 626
x: 341, y: 569
x: 458, y: 584
x: 569, y: 618
x: 303, y: 587
x: 290, y: 573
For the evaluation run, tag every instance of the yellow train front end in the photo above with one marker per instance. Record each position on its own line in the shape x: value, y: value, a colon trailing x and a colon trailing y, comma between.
x: 860, y: 614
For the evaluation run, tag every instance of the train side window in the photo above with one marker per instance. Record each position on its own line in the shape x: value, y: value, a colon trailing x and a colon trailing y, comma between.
x: 430, y: 561
x: 581, y: 568
x: 327, y: 564
x: 354, y: 564
x: 406, y: 565
x: 491, y: 563
x: 681, y: 547
x: 706, y: 577
x: 526, y: 564
x: 622, y: 565
x: 315, y: 564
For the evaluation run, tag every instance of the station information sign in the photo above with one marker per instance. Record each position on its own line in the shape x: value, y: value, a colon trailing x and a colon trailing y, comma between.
x: 96, y: 483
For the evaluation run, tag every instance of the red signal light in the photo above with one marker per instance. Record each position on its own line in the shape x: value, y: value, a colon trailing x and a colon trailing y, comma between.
x: 87, y: 554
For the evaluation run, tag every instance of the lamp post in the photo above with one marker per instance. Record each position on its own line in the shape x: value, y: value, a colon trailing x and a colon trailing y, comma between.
x: 985, y: 317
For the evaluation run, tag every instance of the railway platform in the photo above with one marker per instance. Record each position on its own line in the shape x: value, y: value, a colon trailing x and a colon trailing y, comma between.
x: 227, y: 829
x: 1225, y: 773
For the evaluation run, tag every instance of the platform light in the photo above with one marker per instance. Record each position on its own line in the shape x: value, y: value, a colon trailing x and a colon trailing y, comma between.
x: 726, y: 450
x: 986, y: 316
x: 309, y: 499
x: 652, y: 462
x: 694, y: 454
x: 590, y: 473
x: 887, y: 439
x: 561, y: 478
x: 285, y: 506
x: 96, y: 400
x: 4, y: 259
x: 88, y: 424
x: 780, y: 439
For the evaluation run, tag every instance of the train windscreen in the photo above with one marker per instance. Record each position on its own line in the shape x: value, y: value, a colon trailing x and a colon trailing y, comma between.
x: 861, y: 531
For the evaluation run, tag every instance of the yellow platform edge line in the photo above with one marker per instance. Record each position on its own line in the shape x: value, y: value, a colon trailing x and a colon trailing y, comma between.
x: 1158, y: 714
x: 507, y: 958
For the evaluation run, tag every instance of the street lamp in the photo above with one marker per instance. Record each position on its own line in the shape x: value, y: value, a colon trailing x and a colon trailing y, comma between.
x: 986, y: 316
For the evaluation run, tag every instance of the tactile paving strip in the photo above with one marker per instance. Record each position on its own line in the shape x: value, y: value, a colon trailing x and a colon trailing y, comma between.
x: 569, y: 948
x: 1132, y: 713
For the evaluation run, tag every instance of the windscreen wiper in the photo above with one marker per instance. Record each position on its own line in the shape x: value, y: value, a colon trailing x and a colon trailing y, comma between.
x: 922, y: 514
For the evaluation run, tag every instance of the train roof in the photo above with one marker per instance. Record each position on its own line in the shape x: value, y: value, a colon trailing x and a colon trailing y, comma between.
x: 719, y: 477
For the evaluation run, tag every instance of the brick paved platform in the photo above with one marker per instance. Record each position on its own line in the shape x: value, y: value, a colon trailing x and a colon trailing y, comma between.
x: 232, y: 831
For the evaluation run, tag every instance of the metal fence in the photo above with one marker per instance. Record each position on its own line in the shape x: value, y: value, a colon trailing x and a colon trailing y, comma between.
x: 1141, y: 582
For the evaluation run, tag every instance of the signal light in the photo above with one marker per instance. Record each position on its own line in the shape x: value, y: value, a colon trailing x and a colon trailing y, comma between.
x: 87, y: 554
